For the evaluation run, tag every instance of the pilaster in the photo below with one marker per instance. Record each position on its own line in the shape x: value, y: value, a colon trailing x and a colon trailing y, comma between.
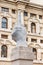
x: 37, y: 28
x: 9, y: 23
x: 38, y: 54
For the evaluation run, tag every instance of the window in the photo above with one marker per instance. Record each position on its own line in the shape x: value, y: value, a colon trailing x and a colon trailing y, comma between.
x: 4, y: 36
x: 33, y: 28
x: 33, y: 40
x: 25, y: 25
x: 41, y: 41
x: 41, y: 56
x: 3, y: 9
x: 4, y: 51
x: 32, y: 15
x: 13, y: 11
x: 25, y: 13
x: 35, y: 53
x: 4, y: 22
x: 27, y: 39
x: 40, y: 16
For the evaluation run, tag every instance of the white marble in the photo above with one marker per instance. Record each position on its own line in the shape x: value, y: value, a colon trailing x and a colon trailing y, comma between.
x: 37, y: 1
x: 19, y: 33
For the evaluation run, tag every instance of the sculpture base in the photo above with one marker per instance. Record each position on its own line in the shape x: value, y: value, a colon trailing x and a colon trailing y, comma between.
x: 22, y: 56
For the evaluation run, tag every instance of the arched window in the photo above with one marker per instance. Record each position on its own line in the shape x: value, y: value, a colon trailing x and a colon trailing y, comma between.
x: 35, y: 53
x: 4, y: 51
x: 4, y: 22
x: 33, y: 28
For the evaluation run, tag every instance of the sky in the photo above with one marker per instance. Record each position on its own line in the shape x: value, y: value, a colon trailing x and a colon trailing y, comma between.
x: 37, y: 1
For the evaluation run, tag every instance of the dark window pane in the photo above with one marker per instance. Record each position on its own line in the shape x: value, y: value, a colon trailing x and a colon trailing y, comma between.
x: 25, y: 13
x: 40, y: 16
x: 4, y: 36
x: 13, y: 11
x: 4, y: 51
x: 4, y: 22
x: 35, y: 53
x: 41, y: 41
x: 5, y: 9
x: 33, y: 40
x: 32, y: 15
x: 33, y: 28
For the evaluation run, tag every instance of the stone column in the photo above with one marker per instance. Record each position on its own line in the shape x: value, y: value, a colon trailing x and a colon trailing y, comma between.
x: 38, y: 54
x: 20, y: 17
x: 37, y: 16
x: 0, y: 22
x: 29, y: 23
x: 29, y: 26
x: 9, y: 23
x: 37, y: 28
x: 0, y: 50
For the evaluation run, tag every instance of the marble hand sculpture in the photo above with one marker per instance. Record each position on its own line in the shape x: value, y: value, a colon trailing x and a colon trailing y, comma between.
x: 19, y: 32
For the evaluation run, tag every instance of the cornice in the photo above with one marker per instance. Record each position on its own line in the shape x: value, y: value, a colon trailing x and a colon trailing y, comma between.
x: 29, y: 4
x: 36, y: 5
x: 9, y: 2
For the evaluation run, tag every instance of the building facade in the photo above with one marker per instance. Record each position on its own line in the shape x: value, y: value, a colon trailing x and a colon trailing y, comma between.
x: 31, y: 18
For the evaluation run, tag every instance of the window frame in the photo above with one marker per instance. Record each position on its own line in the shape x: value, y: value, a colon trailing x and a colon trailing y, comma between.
x: 4, y: 51
x: 35, y: 53
x: 4, y: 9
x: 34, y: 40
x: 4, y: 22
x: 33, y: 27
x: 25, y: 13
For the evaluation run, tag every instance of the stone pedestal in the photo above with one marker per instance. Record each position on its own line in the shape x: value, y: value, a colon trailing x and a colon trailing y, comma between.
x: 22, y: 56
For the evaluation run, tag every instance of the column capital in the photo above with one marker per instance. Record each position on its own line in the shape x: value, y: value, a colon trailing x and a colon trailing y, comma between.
x: 21, y: 6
